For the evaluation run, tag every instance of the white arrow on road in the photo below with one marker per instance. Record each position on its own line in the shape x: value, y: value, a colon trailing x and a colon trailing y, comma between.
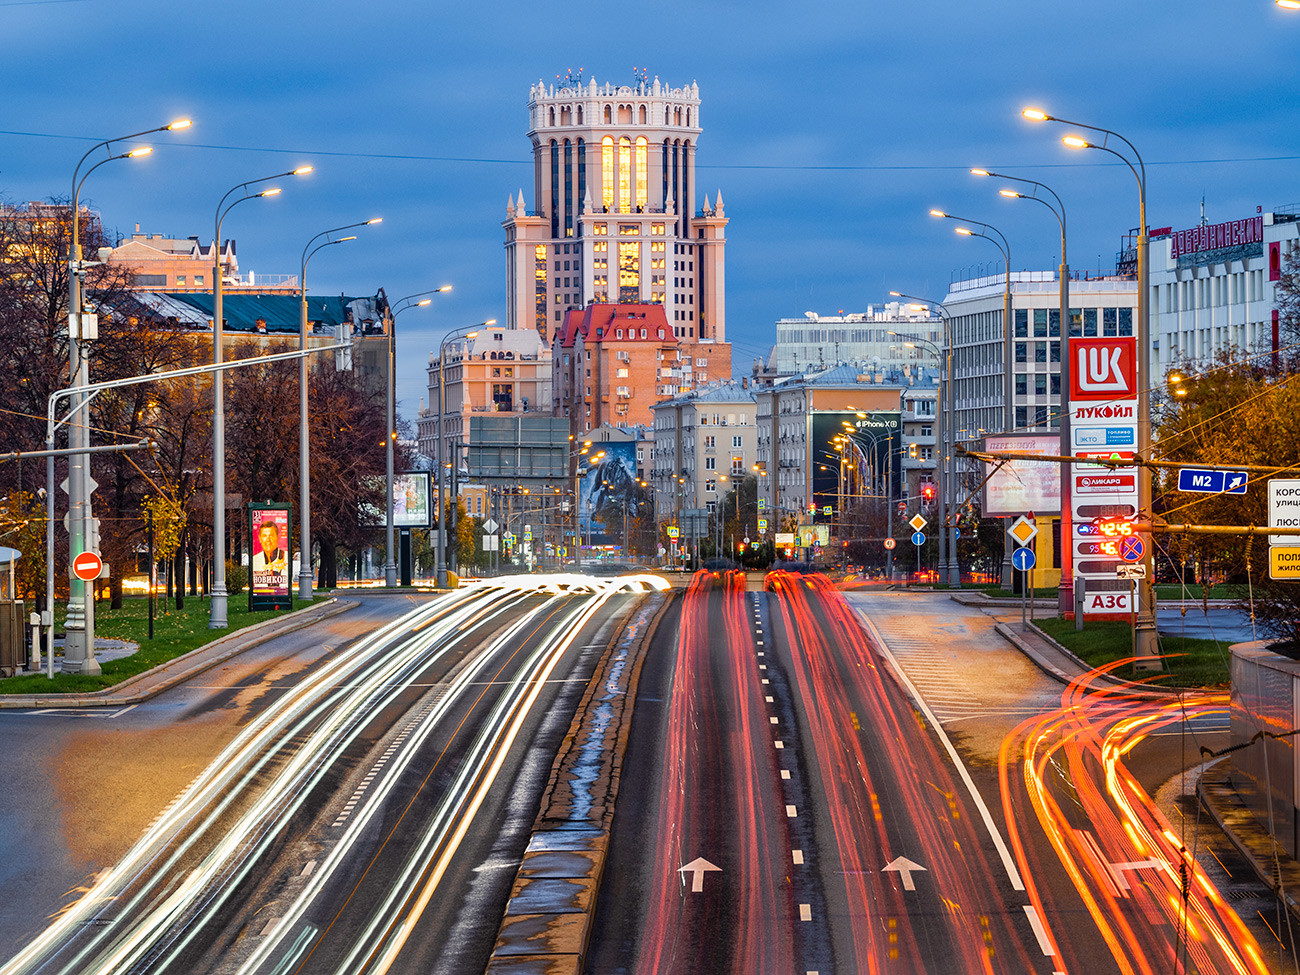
x: 697, y: 868
x: 904, y: 867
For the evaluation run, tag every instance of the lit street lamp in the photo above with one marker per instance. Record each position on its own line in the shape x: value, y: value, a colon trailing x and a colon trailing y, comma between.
x: 304, y: 443
x: 79, y: 652
x: 217, y: 604
x: 440, y: 555
x: 1145, y: 642
x: 1008, y: 411
x: 417, y: 300
x: 1066, y: 598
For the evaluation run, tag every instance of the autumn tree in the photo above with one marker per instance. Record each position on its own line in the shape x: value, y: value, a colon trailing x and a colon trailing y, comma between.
x: 1236, y: 412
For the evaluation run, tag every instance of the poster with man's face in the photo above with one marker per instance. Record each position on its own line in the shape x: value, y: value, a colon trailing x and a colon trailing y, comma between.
x: 270, y: 563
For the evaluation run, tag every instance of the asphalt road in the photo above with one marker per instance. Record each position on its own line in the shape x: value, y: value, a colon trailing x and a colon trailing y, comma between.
x: 352, y: 792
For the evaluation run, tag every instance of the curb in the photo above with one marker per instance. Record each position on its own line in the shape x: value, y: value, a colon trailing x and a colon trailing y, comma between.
x: 547, y: 923
x: 1009, y: 633
x: 1245, y: 833
x: 185, y: 666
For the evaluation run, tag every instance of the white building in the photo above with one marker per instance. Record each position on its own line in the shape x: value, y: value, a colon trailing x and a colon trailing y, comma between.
x: 704, y: 442
x: 1098, y: 306
x: 1213, y: 288
x: 877, y: 337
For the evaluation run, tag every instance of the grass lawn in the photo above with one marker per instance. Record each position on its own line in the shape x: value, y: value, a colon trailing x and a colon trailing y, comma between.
x: 1040, y: 594
x: 175, y: 632
x: 1189, y: 663
x: 1195, y: 592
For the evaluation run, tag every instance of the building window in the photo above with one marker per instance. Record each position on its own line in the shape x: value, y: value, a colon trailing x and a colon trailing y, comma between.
x: 641, y: 175
x: 600, y: 230
x: 629, y: 230
x: 1022, y: 323
x: 658, y: 230
x: 1090, y: 322
x: 624, y: 175
x: 606, y: 175
x: 1022, y: 351
x: 180, y: 283
x: 710, y: 463
x: 737, y: 441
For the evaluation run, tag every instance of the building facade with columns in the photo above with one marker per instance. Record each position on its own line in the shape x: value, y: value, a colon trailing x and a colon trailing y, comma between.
x: 614, y: 217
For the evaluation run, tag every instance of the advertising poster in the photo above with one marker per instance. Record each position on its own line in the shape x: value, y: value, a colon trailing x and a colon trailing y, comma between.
x: 271, y: 560
x: 872, y: 465
x: 1021, y: 486
x: 606, y: 488
x: 413, y: 504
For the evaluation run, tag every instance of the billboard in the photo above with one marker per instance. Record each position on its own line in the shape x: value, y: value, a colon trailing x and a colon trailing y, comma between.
x: 1021, y: 486
x: 605, y: 488
x: 873, y: 464
x: 413, y: 502
x: 1103, y: 368
x: 271, y: 560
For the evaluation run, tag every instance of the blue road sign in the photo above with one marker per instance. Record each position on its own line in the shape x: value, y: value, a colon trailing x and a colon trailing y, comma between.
x: 1199, y: 481
x: 918, y: 538
x: 956, y: 532
x: 1131, y: 548
x: 1023, y: 559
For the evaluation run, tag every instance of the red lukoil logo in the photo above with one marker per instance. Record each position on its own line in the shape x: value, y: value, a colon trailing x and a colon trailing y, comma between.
x: 1103, y: 368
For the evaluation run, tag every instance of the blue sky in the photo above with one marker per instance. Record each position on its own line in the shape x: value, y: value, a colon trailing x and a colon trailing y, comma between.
x: 831, y: 129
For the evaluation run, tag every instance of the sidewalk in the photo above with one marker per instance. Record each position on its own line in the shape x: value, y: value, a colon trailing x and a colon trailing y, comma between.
x: 1214, y: 787
x: 141, y: 687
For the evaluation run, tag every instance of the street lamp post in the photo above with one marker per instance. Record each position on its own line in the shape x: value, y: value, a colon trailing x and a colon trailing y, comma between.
x: 948, y: 501
x: 1144, y: 637
x: 417, y: 300
x: 217, y: 609
x: 1008, y: 410
x: 304, y: 441
x: 1066, y: 591
x: 79, y: 649
x: 440, y: 555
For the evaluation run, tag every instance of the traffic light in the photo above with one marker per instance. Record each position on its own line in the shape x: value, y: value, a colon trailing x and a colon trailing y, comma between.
x: 927, y: 492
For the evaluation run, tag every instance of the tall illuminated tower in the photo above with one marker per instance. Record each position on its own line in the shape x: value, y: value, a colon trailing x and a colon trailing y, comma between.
x: 615, y: 218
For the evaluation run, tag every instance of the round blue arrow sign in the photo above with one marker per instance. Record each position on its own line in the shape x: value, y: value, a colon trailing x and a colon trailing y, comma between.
x: 1024, y: 559
x: 918, y: 538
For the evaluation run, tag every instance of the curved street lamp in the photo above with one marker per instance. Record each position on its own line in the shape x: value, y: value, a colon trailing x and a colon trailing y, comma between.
x: 217, y: 609
x: 1144, y: 638
x: 304, y: 445
x: 79, y: 652
x: 417, y: 300
x: 440, y: 555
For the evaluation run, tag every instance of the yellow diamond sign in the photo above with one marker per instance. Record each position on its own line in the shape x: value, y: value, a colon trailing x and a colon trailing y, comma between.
x: 917, y: 522
x: 1022, y: 530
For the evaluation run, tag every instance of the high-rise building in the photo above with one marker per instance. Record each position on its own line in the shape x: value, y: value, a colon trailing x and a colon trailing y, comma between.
x: 614, y: 218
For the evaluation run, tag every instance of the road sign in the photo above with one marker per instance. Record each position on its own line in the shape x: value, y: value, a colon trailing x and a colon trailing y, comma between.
x: 917, y: 522
x: 762, y: 524
x: 1284, y: 562
x: 1283, y: 508
x: 1022, y: 530
x: 490, y: 526
x: 1137, y: 571
x: 745, y: 541
x: 890, y: 543
x: 1131, y: 548
x: 918, y: 538
x: 827, y: 510
x: 87, y: 566
x: 762, y: 503
x: 1199, y: 481
x: 672, y: 531
x: 1024, y: 559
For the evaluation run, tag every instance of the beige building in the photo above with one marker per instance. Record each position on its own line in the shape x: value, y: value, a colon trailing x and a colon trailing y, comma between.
x: 704, y: 441
x: 615, y: 218
x: 161, y: 263
x: 500, y: 371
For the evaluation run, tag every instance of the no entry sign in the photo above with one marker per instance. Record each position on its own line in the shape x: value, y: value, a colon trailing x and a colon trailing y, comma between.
x: 87, y: 566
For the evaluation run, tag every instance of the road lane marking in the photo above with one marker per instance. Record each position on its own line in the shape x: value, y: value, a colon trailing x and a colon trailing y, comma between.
x: 780, y: 743
x: 791, y: 812
x: 1040, y: 932
x: 697, y: 868
x: 904, y: 868
x: 767, y: 698
x: 797, y: 856
x: 774, y: 720
x: 805, y: 912
x: 1008, y: 861
x: 766, y: 681
x: 785, y: 773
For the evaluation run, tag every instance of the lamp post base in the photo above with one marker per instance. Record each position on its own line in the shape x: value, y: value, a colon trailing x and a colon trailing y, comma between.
x: 217, y: 612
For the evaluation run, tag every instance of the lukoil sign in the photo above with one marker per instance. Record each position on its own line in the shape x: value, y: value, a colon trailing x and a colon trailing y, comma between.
x: 1104, y: 368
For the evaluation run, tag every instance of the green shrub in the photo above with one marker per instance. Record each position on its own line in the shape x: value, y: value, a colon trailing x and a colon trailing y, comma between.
x: 236, y: 578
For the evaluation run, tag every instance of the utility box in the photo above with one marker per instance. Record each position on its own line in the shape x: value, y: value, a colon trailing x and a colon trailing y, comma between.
x: 13, y: 642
